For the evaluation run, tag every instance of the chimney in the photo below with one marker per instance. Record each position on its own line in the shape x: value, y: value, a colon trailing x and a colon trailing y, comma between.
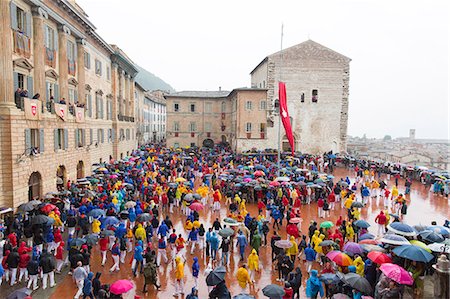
x: 220, y: 88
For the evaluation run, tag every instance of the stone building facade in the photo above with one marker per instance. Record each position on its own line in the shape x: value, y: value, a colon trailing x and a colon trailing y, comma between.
x: 317, y: 87
x: 150, y: 111
x: 85, y: 112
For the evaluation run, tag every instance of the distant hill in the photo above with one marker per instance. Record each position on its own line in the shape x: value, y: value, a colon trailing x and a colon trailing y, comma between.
x: 150, y: 81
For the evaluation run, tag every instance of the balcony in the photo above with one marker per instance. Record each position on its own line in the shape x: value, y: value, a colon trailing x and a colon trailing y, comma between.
x: 125, y: 118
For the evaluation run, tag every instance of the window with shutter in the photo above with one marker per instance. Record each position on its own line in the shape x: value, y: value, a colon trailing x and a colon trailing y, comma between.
x: 16, y: 80
x: 30, y: 86
x: 75, y: 133
x: 27, y: 142
x: 91, y: 136
x: 66, y: 139
x: 13, y: 9
x: 28, y: 22
x: 56, y: 139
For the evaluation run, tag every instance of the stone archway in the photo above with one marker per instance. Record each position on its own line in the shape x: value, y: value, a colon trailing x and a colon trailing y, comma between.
x: 61, y: 177
x: 208, y: 143
x: 34, y: 186
x: 80, y: 169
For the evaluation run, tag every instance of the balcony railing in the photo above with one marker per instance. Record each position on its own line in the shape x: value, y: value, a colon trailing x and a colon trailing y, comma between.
x: 125, y: 118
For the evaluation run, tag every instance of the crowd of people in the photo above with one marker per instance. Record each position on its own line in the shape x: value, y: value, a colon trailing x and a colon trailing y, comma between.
x: 128, y: 210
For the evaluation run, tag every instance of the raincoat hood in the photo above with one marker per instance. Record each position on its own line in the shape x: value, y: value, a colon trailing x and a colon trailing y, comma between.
x: 254, y: 251
x: 195, y: 259
x: 177, y: 259
x: 352, y: 269
x: 292, y: 238
x: 90, y: 275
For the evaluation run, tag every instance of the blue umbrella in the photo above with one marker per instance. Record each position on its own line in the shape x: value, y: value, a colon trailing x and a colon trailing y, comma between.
x: 95, y: 213
x: 439, y: 229
x: 244, y: 296
x: 110, y: 220
x: 431, y: 236
x: 362, y: 223
x: 367, y: 236
x: 329, y: 278
x: 413, y: 253
x: 402, y: 229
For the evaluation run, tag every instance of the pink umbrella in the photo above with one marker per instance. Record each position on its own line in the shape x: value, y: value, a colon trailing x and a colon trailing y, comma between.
x: 113, y: 176
x: 259, y: 173
x: 121, y: 286
x: 333, y: 254
x: 397, y: 273
x: 296, y: 220
x: 196, y: 206
x: 275, y: 184
x: 247, y: 180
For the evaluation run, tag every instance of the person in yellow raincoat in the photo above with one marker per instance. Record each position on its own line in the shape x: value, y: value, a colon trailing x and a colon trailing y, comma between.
x: 348, y: 202
x: 55, y: 217
x: 356, y: 213
x: 237, y: 199
x: 314, y: 238
x: 242, y: 205
x: 179, y: 277
x: 293, y: 250
x: 359, y: 264
x: 140, y: 234
x: 188, y: 225
x: 96, y: 226
x: 394, y: 192
x: 253, y: 264
x: 243, y: 277
x: 350, y: 233
x: 318, y: 248
x: 375, y: 188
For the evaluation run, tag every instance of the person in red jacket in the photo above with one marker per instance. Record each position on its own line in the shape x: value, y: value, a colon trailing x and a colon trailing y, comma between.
x: 104, y: 245
x: 381, y: 220
x: 292, y: 230
x: 332, y: 200
x: 13, y: 239
x: 59, y: 257
x: 23, y: 263
x: 5, y: 265
x: 320, y: 204
x: 57, y: 237
x: 288, y: 291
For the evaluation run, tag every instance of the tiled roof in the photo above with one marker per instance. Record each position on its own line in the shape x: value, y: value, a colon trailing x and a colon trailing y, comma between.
x: 199, y: 94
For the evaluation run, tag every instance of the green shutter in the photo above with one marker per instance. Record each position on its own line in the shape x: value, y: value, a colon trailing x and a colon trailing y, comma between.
x: 28, y: 24
x: 55, y: 139
x: 30, y: 86
x: 16, y: 81
x: 27, y: 142
x: 66, y: 139
x: 13, y: 9
x: 41, y: 140
x: 76, y: 137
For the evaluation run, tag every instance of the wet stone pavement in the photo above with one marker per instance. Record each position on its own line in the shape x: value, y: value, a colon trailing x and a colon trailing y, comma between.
x: 424, y: 207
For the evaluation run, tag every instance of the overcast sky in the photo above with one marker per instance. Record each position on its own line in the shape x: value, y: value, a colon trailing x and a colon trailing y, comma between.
x: 399, y: 74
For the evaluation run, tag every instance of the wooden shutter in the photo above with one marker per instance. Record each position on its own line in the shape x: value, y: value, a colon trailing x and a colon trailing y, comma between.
x: 83, y: 137
x: 75, y: 93
x: 90, y: 104
x: 47, y: 91
x: 27, y: 142
x: 13, y: 9
x: 113, y: 135
x: 55, y: 139
x: 76, y: 137
x: 41, y: 140
x: 30, y: 86
x: 66, y: 139
x: 28, y: 21
x: 91, y: 136
x: 55, y: 40
x: 103, y: 135
x: 16, y: 81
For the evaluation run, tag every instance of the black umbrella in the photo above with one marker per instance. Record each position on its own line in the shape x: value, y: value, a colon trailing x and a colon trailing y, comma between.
x: 359, y: 283
x: 19, y: 294
x: 91, y: 239
x: 216, y: 276
x: 357, y: 204
x: 273, y: 291
x: 42, y: 219
x: 77, y: 242
x: 326, y: 243
x: 26, y: 207
x: 107, y: 233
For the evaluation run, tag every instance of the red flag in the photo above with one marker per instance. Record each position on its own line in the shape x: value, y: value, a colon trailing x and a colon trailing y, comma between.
x: 284, y: 114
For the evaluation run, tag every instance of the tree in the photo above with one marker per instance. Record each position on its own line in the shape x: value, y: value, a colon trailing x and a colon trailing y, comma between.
x: 387, y: 138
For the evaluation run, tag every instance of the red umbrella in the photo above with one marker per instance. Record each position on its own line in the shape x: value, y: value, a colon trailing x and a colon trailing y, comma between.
x: 275, y: 184
x: 379, y: 257
x: 48, y: 208
x: 196, y: 206
x: 259, y: 173
x: 121, y: 286
x: 340, y: 258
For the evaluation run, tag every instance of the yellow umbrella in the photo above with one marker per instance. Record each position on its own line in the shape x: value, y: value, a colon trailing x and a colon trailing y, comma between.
x: 179, y: 180
x: 420, y: 244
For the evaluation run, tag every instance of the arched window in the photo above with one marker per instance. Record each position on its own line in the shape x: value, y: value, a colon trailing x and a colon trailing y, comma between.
x: 34, y: 186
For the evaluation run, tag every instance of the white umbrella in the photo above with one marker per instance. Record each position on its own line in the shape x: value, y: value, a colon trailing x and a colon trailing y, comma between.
x: 283, y: 179
x: 439, y: 247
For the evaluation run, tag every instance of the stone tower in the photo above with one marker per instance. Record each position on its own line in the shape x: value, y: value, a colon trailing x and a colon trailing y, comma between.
x: 317, y: 85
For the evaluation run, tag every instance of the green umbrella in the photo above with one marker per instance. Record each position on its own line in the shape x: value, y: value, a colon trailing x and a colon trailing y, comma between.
x: 327, y: 224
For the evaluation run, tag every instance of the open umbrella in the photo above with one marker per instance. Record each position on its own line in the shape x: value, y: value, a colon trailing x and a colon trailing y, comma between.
x: 77, y: 242
x: 327, y: 224
x: 47, y: 208
x: 394, y: 240
x: 284, y: 244
x: 180, y: 180
x: 121, y: 286
x: 397, y: 273
x: 402, y: 229
x: 216, y: 276
x: 295, y: 220
x: 244, y: 296
x: 326, y: 243
x: 439, y: 247
x: 282, y: 179
x: 329, y: 278
x: 95, y: 213
x: 226, y: 232
x: 42, y: 219
x: 107, y: 233
x: 19, y: 294
x: 130, y: 204
x: 379, y: 257
x: 91, y: 239
x: 413, y: 253
x: 357, y: 204
x: 189, y: 197
x: 353, y: 248
x: 361, y: 223
x: 110, y: 220
x: 196, y: 206
x: 366, y: 236
x: 420, y: 244
x: 372, y: 247
x: 273, y: 291
x: 259, y: 173
x: 439, y: 229
x: 144, y: 217
x: 26, y: 207
x: 431, y: 236
x: 340, y: 296
x: 359, y: 283
x: 274, y: 184
x: 340, y: 258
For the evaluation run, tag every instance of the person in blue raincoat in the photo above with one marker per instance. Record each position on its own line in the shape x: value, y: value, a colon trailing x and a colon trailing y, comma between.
x: 195, y: 270
x: 242, y: 243
x: 132, y: 216
x: 314, y: 286
x: 214, y: 240
x: 120, y: 231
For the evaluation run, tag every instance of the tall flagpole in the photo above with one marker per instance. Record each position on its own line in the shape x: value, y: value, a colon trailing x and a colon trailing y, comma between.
x: 279, y: 114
